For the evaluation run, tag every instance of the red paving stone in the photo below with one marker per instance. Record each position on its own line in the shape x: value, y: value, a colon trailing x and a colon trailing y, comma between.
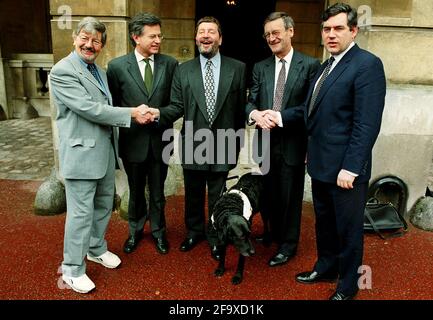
x: 31, y: 251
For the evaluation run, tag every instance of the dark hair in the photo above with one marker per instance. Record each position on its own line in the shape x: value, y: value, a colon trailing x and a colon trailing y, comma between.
x: 137, y: 23
x: 288, y: 21
x: 339, y: 7
x: 211, y: 20
x: 91, y: 25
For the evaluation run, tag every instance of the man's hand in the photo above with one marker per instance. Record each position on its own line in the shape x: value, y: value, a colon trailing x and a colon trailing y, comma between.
x: 264, y: 119
x: 143, y: 114
x: 345, y: 180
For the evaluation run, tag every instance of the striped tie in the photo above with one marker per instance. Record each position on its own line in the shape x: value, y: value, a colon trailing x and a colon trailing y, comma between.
x: 319, y: 85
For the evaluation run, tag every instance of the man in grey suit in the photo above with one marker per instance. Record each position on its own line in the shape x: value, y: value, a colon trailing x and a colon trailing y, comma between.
x: 87, y: 152
x: 143, y: 76
x: 210, y: 92
x: 279, y: 82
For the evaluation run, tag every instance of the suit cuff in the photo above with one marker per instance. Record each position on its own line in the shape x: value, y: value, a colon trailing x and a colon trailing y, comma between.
x: 351, y: 173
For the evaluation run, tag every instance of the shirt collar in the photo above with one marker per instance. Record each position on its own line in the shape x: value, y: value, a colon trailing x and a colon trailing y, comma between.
x: 340, y: 56
x: 140, y: 57
x: 216, y: 60
x: 287, y: 58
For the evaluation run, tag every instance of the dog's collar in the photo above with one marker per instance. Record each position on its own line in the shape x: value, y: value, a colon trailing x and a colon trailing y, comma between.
x: 247, y: 210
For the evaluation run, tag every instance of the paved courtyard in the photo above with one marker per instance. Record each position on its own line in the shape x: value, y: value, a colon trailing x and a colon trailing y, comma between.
x: 26, y: 149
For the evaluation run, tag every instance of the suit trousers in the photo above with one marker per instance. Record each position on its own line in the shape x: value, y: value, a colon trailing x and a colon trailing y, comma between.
x: 282, y: 202
x: 195, y: 192
x: 155, y: 171
x: 340, y: 231
x: 89, y: 207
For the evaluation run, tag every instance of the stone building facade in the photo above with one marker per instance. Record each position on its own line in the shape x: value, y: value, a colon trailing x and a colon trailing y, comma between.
x: 36, y: 34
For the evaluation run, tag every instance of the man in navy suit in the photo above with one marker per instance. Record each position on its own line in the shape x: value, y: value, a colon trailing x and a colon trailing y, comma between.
x: 343, y: 113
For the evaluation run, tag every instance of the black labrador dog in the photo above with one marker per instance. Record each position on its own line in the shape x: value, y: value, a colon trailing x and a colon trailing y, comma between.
x: 231, y: 218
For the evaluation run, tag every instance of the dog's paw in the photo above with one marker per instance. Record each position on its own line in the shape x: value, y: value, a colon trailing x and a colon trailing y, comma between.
x: 237, y: 279
x: 219, y: 272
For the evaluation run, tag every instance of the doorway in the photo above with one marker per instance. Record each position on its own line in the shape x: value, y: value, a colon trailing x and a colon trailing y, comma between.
x: 242, y: 27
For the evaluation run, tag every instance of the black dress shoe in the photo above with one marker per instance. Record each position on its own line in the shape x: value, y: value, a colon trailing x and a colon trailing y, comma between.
x: 215, y: 252
x: 314, y: 277
x: 341, y: 296
x: 132, y: 242
x: 189, y: 243
x: 279, y: 259
x: 161, y: 245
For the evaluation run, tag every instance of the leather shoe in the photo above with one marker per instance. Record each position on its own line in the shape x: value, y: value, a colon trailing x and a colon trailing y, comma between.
x: 314, y: 277
x: 279, y: 259
x: 161, y: 245
x: 341, y: 296
x: 189, y: 243
x: 215, y: 252
x: 132, y: 242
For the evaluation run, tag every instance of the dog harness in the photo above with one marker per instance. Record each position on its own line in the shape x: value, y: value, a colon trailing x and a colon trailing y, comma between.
x: 248, y: 210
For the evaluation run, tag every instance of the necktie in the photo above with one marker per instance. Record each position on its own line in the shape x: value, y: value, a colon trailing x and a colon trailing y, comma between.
x: 319, y: 84
x: 279, y: 90
x: 148, y: 76
x: 92, y: 68
x: 209, y: 91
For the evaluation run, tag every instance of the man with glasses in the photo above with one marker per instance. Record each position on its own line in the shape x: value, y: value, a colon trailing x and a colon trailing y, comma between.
x: 87, y: 122
x: 144, y: 76
x: 279, y: 82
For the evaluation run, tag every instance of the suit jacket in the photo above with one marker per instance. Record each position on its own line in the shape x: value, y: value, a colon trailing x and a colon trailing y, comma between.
x: 346, y: 118
x: 187, y: 99
x: 292, y: 139
x: 128, y: 89
x: 84, y: 119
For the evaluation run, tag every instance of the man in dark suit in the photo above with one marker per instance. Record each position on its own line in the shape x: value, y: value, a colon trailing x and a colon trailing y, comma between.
x: 344, y: 114
x: 284, y: 183
x: 210, y: 92
x: 143, y: 76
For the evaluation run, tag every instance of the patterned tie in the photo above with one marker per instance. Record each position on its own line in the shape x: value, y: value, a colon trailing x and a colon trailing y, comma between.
x: 92, y: 68
x: 209, y: 91
x: 319, y: 84
x: 279, y: 90
x: 148, y: 76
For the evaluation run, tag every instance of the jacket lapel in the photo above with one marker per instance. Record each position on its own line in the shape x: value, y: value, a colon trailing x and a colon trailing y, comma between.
x: 335, y: 74
x: 269, y: 74
x: 292, y: 77
x: 158, y: 72
x: 134, y: 71
x: 84, y: 72
x: 103, y: 75
x: 197, y: 87
x: 225, y: 82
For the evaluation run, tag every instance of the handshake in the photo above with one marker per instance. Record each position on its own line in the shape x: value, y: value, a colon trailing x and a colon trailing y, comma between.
x: 143, y: 114
x: 266, y: 119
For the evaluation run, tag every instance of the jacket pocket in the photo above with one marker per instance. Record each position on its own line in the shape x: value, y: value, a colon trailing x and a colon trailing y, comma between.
x: 82, y: 142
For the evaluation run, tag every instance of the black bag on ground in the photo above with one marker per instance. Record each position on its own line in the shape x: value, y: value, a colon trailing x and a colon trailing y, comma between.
x: 383, y: 217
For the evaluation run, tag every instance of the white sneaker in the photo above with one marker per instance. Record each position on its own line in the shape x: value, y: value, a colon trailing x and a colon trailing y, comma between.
x: 107, y: 259
x: 81, y: 284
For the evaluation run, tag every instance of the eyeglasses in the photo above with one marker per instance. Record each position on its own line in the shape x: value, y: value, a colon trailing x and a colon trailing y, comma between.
x: 275, y: 34
x: 154, y: 36
x: 95, y: 42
